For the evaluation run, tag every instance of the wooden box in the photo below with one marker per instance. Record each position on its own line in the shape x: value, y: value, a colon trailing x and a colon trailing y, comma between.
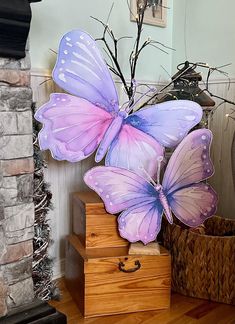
x: 109, y: 281
x: 92, y: 224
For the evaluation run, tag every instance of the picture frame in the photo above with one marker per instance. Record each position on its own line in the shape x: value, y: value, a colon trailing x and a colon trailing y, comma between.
x: 158, y: 17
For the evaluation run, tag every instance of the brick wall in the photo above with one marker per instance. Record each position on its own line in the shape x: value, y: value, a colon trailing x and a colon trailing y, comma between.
x: 16, y: 184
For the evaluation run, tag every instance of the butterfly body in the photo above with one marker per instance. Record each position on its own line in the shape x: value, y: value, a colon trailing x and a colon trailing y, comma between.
x: 77, y: 125
x: 110, y: 135
x: 164, y: 202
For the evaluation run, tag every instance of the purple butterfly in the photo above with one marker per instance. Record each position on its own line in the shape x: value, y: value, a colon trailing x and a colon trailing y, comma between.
x: 74, y: 127
x: 142, y: 203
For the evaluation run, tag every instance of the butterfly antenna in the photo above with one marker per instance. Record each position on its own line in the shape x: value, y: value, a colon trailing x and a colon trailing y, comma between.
x: 148, y: 176
x: 159, y: 161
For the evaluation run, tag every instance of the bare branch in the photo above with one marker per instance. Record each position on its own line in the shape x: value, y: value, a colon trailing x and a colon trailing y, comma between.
x: 113, y: 54
x: 53, y: 51
x: 166, y: 71
x: 194, y: 66
x: 49, y: 79
x: 163, y: 45
x: 109, y: 14
x: 159, y: 48
x: 124, y: 37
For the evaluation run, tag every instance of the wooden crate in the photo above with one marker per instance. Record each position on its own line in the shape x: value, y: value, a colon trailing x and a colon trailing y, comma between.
x: 92, y: 224
x: 99, y: 286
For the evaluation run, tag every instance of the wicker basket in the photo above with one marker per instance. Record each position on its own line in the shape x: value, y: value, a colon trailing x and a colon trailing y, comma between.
x: 203, y: 265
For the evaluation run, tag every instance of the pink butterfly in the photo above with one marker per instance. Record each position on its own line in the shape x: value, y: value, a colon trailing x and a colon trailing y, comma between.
x: 142, y: 203
x: 75, y: 127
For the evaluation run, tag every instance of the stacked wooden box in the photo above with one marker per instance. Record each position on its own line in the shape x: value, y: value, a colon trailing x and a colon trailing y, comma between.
x: 101, y: 277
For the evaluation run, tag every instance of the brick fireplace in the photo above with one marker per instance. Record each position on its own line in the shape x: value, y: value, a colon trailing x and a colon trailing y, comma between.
x: 16, y: 189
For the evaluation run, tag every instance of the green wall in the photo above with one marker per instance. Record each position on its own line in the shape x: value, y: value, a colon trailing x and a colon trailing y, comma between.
x: 51, y: 19
x: 208, y: 33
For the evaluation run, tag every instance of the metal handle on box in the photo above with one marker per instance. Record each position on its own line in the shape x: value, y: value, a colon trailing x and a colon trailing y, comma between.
x: 121, y: 267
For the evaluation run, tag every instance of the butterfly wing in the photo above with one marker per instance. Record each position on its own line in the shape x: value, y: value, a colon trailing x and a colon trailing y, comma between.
x: 190, y: 162
x: 119, y: 188
x: 141, y: 223
x: 81, y: 70
x: 73, y: 127
x: 194, y: 204
x: 134, y: 150
x: 167, y: 122
x: 122, y: 190
x: 190, y: 201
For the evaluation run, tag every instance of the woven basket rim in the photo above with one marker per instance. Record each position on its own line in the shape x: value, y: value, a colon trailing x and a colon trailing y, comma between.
x: 206, y: 235
x: 228, y: 219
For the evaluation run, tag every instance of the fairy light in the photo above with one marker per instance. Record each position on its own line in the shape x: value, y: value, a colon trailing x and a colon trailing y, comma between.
x: 133, y: 56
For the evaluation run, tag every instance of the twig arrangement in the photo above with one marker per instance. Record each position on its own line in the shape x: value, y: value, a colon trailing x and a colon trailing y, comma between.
x: 113, y: 50
x: 114, y: 65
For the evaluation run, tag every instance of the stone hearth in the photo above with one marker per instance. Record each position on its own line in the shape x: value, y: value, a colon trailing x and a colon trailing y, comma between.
x: 16, y: 185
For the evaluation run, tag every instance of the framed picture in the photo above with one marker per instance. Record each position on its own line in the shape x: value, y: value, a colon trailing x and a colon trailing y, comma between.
x: 154, y: 15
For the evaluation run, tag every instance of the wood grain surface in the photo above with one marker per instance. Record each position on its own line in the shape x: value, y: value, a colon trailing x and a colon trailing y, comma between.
x: 183, y: 310
x: 94, y: 275
x: 94, y: 226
